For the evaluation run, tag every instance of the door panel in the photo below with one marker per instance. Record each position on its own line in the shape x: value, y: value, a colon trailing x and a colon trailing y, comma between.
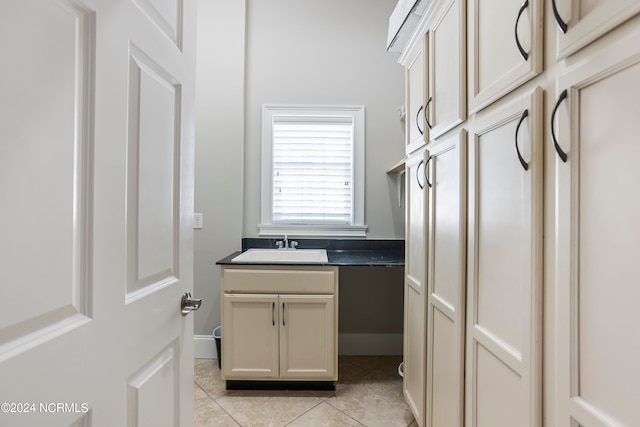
x: 152, y: 175
x: 251, y: 346
x: 447, y: 281
x: 416, y: 81
x: 496, y: 66
x: 504, y: 280
x: 597, y: 239
x: 100, y: 324
x: 307, y: 336
x: 44, y: 174
x: 415, y: 315
x: 447, y: 68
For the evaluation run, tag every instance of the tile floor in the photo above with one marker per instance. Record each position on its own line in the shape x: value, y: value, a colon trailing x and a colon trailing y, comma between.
x: 368, y: 393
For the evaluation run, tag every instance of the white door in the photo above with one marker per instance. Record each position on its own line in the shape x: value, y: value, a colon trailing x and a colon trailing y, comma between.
x: 96, y: 183
x: 597, y: 238
x: 446, y: 289
x: 503, y: 349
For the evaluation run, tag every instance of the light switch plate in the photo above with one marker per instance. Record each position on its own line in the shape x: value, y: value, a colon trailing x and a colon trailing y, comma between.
x: 197, y: 221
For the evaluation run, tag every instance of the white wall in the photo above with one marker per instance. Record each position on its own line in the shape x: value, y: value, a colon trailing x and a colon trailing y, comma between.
x: 219, y: 148
x: 320, y: 52
x: 327, y: 52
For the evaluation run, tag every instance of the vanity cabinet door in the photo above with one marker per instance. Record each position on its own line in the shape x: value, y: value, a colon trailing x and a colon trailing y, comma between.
x: 504, y: 258
x: 497, y: 66
x: 307, y: 337
x: 250, y: 343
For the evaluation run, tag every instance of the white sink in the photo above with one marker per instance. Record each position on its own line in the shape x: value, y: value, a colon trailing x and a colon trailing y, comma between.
x: 282, y: 256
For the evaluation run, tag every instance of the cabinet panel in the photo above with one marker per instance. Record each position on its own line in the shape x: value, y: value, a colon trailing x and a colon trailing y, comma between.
x: 414, y: 289
x: 416, y: 75
x: 447, y: 68
x: 496, y: 65
x: 250, y: 325
x: 597, y: 239
x: 579, y: 22
x: 504, y: 265
x: 446, y: 281
x: 278, y: 279
x: 307, y: 336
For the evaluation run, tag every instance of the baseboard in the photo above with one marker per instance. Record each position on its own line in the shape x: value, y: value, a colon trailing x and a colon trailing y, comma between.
x: 204, y: 346
x: 370, y: 344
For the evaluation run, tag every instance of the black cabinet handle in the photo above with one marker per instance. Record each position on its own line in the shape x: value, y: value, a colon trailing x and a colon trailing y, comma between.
x: 561, y: 24
x: 273, y: 313
x: 524, y: 54
x: 418, y: 120
x: 418, y: 174
x: 524, y: 164
x: 561, y: 153
x: 283, y: 314
x: 425, y: 171
x: 426, y: 119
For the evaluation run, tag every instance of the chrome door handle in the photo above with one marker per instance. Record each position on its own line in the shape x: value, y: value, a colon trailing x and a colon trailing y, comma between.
x: 189, y: 304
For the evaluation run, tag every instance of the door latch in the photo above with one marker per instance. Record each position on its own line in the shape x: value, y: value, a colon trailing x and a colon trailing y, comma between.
x: 189, y: 304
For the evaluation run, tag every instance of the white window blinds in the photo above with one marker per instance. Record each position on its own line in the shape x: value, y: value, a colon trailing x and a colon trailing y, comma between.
x: 313, y: 170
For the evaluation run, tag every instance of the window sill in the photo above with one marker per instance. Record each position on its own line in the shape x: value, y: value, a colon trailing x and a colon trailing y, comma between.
x: 313, y: 230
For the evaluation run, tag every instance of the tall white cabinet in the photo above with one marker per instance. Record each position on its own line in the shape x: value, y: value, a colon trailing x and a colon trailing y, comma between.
x: 525, y: 314
x: 597, y: 236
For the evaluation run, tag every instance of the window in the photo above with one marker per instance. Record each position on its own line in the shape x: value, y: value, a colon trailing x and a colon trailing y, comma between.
x: 313, y: 170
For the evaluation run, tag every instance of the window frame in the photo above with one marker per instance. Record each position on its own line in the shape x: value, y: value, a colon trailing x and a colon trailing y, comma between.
x: 357, y: 228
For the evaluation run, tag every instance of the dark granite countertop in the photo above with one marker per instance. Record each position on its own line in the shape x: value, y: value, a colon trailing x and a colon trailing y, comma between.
x: 340, y: 252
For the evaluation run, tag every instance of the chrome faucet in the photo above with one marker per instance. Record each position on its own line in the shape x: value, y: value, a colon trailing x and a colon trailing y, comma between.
x: 285, y: 244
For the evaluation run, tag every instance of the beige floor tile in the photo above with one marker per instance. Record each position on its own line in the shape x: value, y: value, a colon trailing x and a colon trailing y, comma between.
x: 374, y: 403
x: 324, y: 415
x: 368, y: 393
x: 207, y: 376
x: 267, y: 408
x: 211, y: 414
x: 200, y: 397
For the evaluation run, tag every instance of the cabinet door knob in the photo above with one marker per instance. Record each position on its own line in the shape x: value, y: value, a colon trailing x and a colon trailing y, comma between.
x: 524, y: 164
x: 524, y: 54
x: 561, y: 24
x: 559, y: 150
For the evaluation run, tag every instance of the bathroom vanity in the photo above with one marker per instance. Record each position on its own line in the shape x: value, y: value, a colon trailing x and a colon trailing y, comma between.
x: 280, y: 309
x: 279, y: 322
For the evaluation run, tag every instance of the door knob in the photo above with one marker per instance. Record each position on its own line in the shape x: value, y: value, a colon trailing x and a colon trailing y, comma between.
x: 189, y: 304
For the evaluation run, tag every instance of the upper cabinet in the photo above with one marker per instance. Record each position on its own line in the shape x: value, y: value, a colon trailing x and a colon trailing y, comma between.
x: 505, y: 48
x: 581, y: 22
x: 447, y: 103
x: 417, y: 128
